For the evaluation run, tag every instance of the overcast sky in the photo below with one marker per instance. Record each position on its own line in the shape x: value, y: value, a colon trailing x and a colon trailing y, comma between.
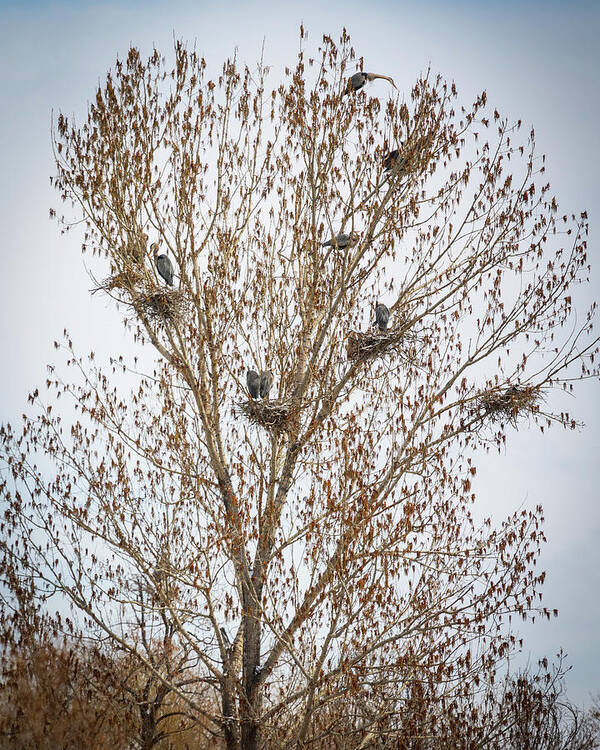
x: 538, y: 61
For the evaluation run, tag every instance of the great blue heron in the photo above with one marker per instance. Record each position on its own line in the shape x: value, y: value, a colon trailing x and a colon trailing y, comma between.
x: 394, y: 158
x: 163, y: 264
x: 253, y: 383
x: 358, y: 80
x: 266, y: 380
x: 343, y: 241
x: 382, y: 316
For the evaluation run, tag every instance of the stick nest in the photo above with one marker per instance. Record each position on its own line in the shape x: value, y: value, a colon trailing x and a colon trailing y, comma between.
x: 151, y: 301
x: 364, y: 346
x: 510, y: 404
x: 163, y: 302
x: 278, y: 415
x: 126, y: 280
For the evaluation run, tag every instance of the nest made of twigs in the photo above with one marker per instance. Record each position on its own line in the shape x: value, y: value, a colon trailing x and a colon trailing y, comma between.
x: 122, y: 281
x: 146, y: 298
x: 160, y: 302
x: 361, y: 346
x: 509, y: 404
x: 277, y: 415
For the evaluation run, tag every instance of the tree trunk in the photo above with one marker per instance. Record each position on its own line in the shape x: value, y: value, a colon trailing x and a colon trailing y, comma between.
x: 251, y: 729
x: 250, y: 706
x: 229, y: 720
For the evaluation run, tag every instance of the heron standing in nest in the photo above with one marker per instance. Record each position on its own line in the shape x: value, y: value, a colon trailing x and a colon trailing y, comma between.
x: 382, y: 316
x: 358, y: 80
x: 253, y: 381
x: 163, y: 264
x: 266, y: 380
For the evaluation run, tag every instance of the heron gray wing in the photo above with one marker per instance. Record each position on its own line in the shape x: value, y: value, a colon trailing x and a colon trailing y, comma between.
x: 253, y: 383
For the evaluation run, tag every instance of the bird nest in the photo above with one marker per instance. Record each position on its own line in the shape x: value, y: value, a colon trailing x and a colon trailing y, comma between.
x: 133, y: 289
x: 363, y: 346
x: 164, y: 303
x: 509, y: 404
x: 124, y: 281
x: 278, y: 415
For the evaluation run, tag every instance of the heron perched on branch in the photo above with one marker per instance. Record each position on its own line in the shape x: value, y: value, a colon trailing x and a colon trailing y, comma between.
x: 253, y: 383
x: 358, y: 80
x: 266, y: 380
x: 342, y: 241
x: 163, y: 264
x: 382, y: 316
x: 394, y: 158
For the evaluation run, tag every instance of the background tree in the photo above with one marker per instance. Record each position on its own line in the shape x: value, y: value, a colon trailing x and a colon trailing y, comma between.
x: 315, y: 548
x: 74, y: 692
x: 55, y: 692
x: 535, y: 714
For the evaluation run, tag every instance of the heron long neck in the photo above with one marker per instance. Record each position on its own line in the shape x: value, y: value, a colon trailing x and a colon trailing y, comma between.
x: 373, y: 76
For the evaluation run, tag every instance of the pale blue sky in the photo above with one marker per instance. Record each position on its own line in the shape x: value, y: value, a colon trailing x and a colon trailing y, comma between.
x: 537, y: 61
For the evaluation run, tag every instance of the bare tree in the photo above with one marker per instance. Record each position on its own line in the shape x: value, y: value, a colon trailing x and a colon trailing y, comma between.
x: 533, y: 713
x: 312, y: 547
x: 527, y: 711
x: 55, y: 692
